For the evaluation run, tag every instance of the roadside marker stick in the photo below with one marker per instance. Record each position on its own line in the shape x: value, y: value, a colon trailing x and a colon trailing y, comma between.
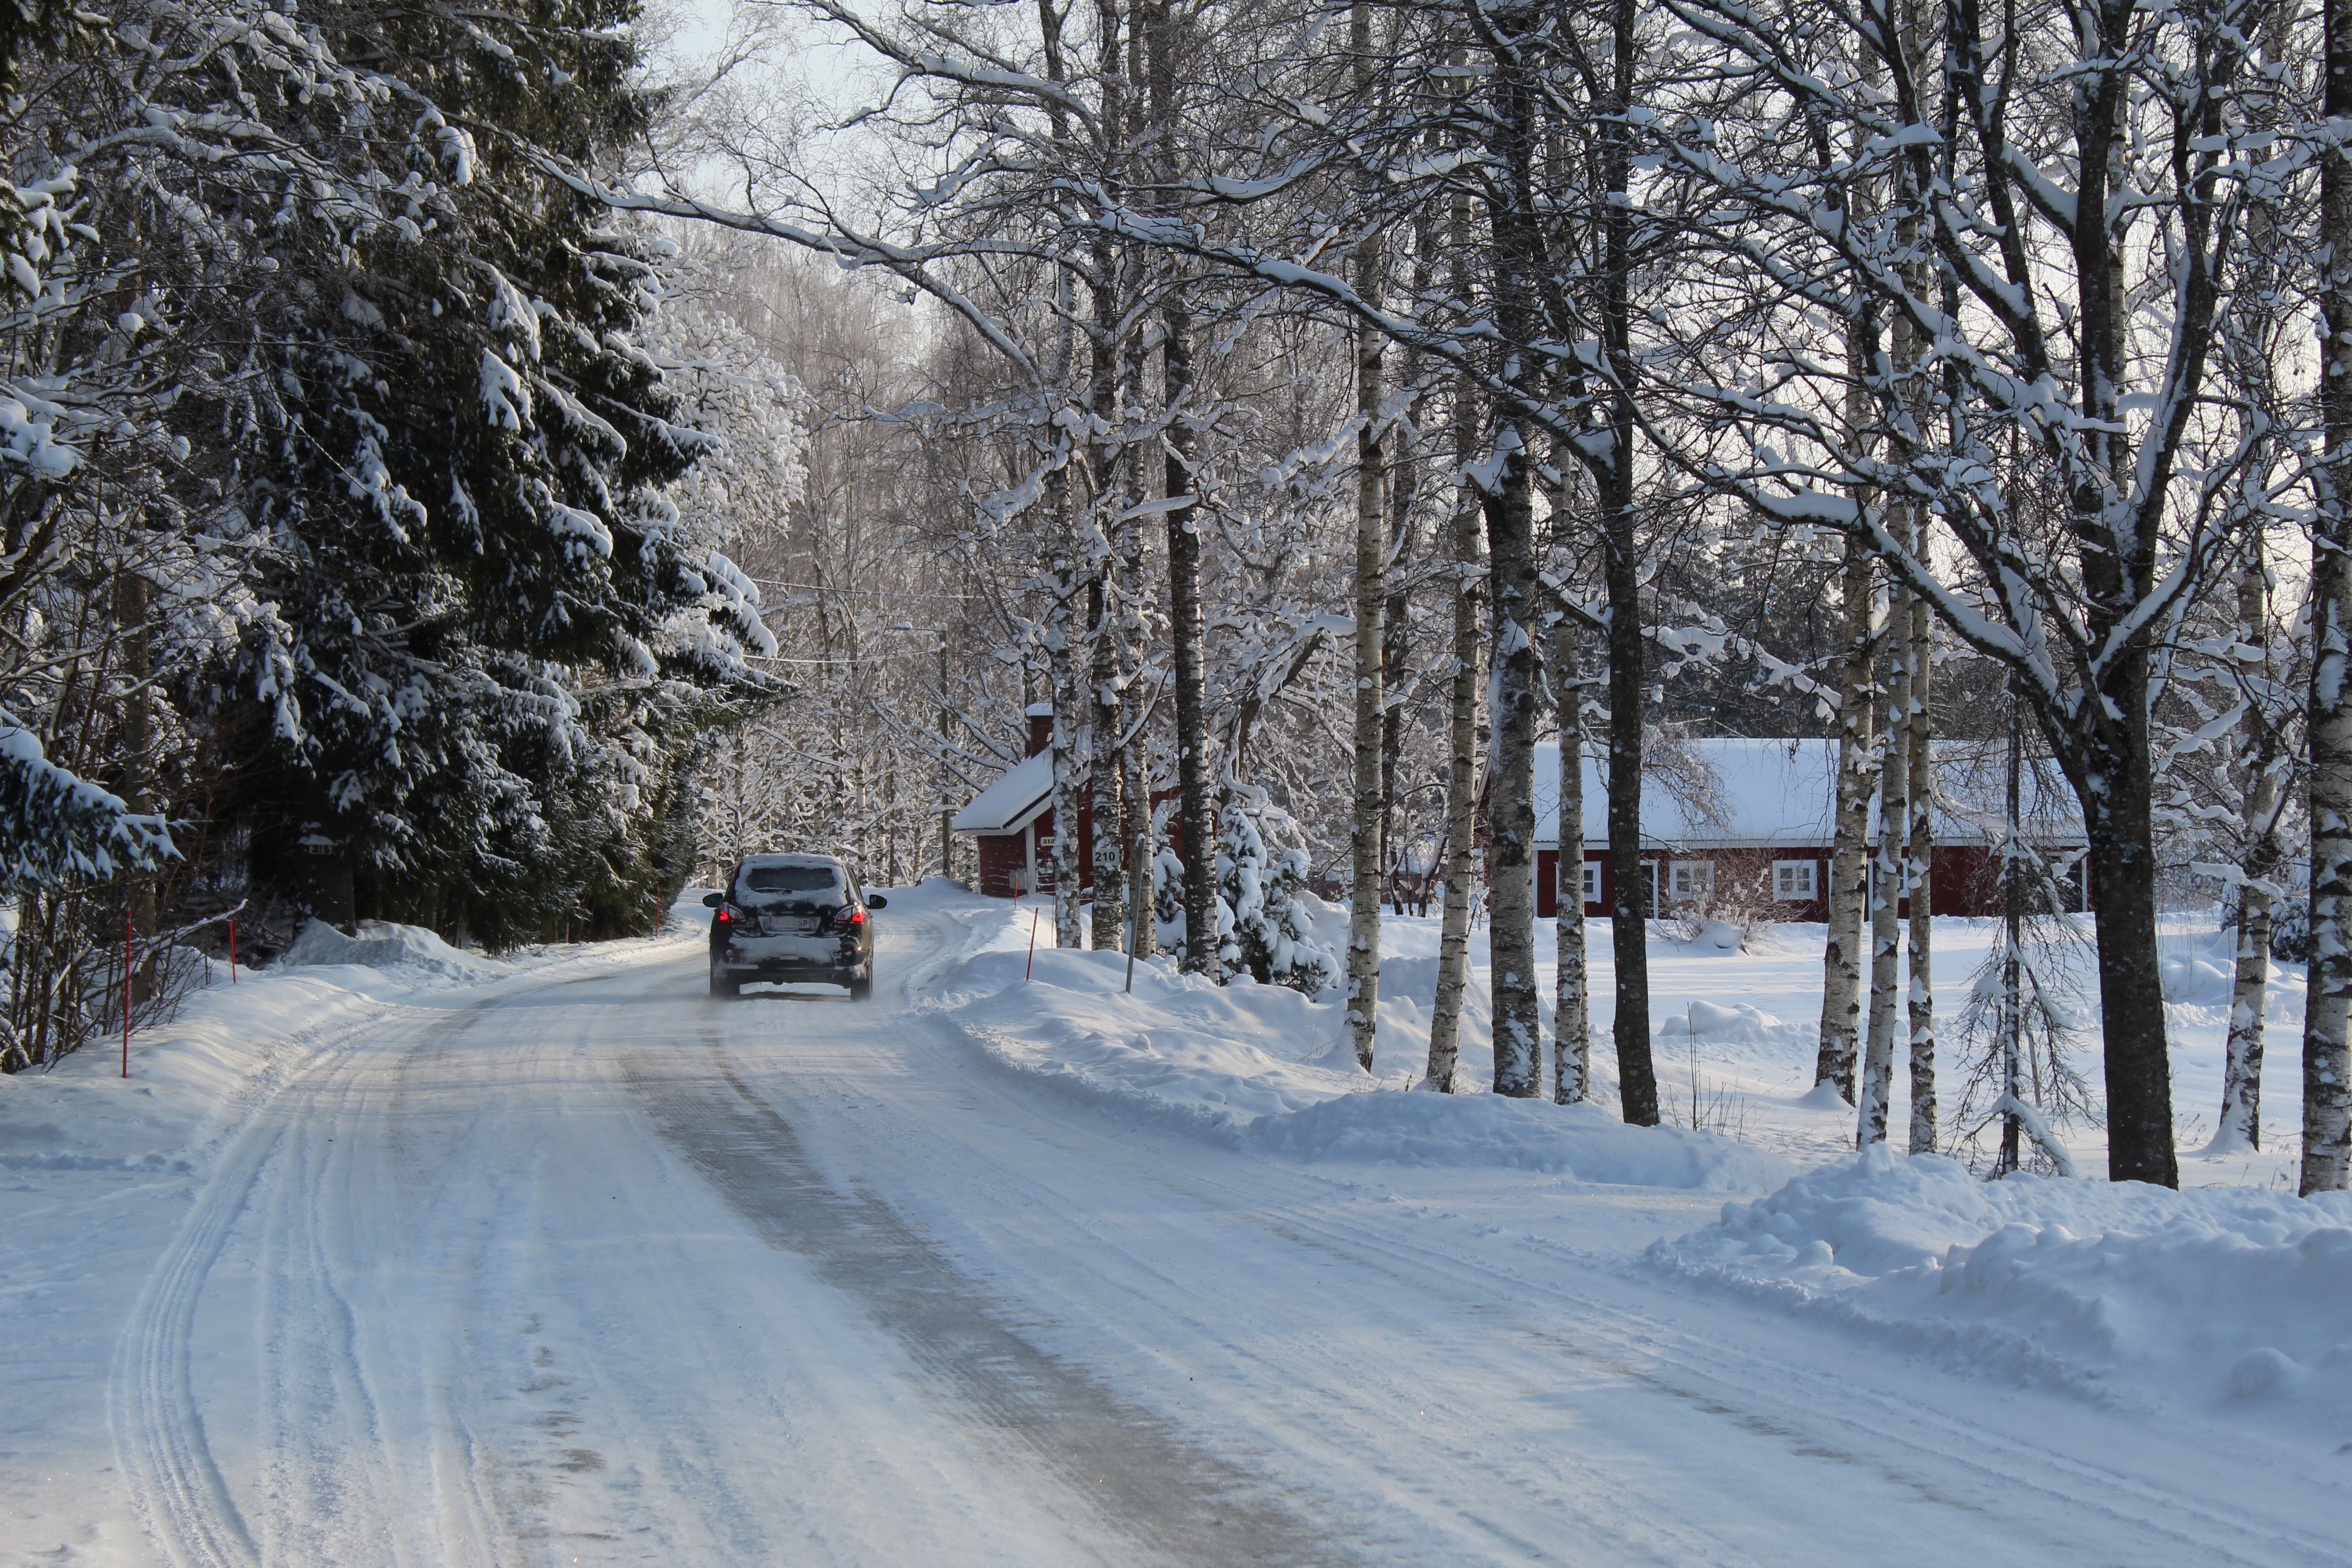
x: 1031, y: 969
x: 126, y: 994
x: 232, y: 949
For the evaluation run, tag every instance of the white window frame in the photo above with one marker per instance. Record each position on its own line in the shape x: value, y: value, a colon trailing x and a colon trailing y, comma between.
x: 1591, y: 881
x: 1784, y: 873
x: 1690, y: 878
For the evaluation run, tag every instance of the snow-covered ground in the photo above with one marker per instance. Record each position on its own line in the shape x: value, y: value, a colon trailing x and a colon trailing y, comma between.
x: 398, y: 1256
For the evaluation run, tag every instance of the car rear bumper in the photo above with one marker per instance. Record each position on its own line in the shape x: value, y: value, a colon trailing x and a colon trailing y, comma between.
x: 777, y: 957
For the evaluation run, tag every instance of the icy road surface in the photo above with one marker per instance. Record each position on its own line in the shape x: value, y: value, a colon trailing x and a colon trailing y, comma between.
x: 595, y: 1270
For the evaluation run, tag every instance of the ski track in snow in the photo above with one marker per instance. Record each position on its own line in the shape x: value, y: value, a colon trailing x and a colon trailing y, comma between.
x: 590, y: 1267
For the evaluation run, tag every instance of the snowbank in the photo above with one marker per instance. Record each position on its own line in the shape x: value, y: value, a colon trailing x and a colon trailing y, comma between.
x: 387, y: 946
x: 1581, y: 1143
x: 1269, y: 1070
x: 2220, y: 1298
x: 1709, y: 1021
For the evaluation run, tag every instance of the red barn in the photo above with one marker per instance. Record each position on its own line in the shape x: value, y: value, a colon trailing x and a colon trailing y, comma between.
x: 1011, y: 821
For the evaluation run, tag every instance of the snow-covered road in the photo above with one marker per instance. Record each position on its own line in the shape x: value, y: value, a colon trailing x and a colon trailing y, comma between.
x: 590, y: 1267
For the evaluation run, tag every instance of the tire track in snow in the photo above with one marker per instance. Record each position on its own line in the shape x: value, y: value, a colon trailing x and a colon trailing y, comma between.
x: 159, y: 1433
x: 159, y: 1429
x: 1171, y: 1499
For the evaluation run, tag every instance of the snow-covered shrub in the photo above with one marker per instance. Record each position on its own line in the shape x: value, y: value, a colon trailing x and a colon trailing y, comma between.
x: 1168, y: 902
x: 1272, y: 936
x: 1730, y: 915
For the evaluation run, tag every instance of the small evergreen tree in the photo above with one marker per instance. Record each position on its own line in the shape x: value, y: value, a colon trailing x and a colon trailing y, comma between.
x: 1270, y: 936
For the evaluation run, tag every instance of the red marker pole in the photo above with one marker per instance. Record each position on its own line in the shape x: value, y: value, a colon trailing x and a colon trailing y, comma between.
x: 232, y: 949
x: 1032, y: 948
x: 126, y: 994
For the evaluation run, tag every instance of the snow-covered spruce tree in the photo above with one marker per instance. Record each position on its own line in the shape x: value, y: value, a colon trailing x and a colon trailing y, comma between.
x: 448, y: 454
x: 1271, y: 940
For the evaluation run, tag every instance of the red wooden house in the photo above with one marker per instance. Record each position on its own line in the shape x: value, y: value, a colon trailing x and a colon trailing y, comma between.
x: 1767, y: 834
x: 1011, y: 821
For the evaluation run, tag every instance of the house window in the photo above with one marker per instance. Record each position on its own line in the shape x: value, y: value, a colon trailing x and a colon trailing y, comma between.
x: 1593, y: 881
x: 1691, y: 879
x: 1792, y: 879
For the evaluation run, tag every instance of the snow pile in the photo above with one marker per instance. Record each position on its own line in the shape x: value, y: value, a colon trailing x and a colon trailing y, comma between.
x: 387, y: 946
x: 1269, y: 1070
x: 1581, y: 1143
x: 1710, y: 1021
x: 2217, y: 1298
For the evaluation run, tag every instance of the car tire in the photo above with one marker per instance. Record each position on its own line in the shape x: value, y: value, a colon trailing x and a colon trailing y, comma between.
x: 861, y: 986
x: 723, y: 983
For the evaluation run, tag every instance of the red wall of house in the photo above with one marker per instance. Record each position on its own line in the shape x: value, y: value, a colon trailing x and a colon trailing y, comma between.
x: 1966, y: 880
x: 1003, y: 854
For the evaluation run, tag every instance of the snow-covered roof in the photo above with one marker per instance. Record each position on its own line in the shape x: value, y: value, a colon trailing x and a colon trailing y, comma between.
x: 1783, y: 794
x: 1012, y: 802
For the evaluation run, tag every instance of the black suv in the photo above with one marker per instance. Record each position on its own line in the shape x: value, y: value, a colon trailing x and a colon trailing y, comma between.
x: 791, y: 917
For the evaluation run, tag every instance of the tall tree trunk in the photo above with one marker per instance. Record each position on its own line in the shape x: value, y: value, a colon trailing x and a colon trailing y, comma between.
x: 2120, y: 830
x: 1102, y: 709
x: 1462, y: 698
x: 1919, y: 856
x: 1629, y: 929
x: 2240, y: 1126
x: 1848, y: 892
x: 1110, y: 461
x: 947, y: 797
x: 1510, y: 795
x: 1461, y: 796
x: 1192, y: 679
x: 1509, y: 506
x: 1371, y: 518
x: 1193, y: 814
x: 132, y: 599
x: 1069, y: 777
x: 1572, y: 1024
x: 1878, y: 1086
x: 2012, y: 1022
x: 2326, y: 1054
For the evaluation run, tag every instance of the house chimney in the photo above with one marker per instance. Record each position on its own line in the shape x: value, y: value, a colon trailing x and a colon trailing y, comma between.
x: 1041, y: 727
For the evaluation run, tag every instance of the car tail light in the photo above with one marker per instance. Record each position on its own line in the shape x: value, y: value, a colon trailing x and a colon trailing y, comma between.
x: 721, y: 915
x: 853, y: 917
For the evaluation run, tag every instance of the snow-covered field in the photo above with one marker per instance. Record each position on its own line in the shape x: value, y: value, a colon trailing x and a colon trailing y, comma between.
x: 401, y: 1255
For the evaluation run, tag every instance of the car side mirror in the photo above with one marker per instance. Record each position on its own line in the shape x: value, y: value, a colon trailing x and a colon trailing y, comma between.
x: 712, y: 900
x: 876, y: 902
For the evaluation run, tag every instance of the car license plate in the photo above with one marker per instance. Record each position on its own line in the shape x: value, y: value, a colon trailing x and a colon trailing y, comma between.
x: 787, y: 925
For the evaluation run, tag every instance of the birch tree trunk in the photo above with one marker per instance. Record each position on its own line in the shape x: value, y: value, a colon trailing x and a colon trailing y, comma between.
x: 1371, y: 518
x: 1462, y: 698
x: 1886, y: 887
x: 2240, y: 1126
x: 1509, y: 506
x: 1919, y: 860
x: 1572, y: 1024
x: 2326, y: 1060
x: 1849, y: 887
x: 1510, y: 796
x: 1461, y: 794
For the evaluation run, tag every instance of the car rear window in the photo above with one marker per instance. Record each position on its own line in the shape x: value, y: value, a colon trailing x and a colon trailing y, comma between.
x: 791, y: 878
